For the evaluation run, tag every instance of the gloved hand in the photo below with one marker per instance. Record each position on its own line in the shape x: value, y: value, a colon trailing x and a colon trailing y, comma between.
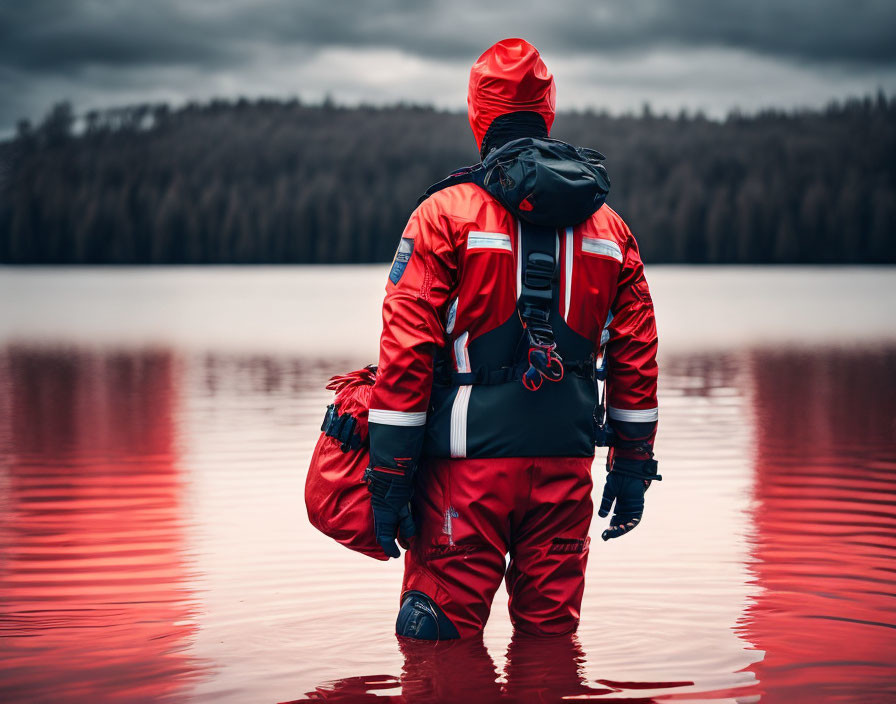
x: 627, y: 482
x: 390, y: 496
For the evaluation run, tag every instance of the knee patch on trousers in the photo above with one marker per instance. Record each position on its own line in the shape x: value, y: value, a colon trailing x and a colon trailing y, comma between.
x: 421, y: 618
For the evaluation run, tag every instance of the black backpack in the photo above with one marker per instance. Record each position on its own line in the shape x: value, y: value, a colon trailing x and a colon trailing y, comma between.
x: 543, y: 181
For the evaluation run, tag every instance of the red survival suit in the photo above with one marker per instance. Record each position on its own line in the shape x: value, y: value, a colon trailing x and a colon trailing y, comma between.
x: 502, y: 469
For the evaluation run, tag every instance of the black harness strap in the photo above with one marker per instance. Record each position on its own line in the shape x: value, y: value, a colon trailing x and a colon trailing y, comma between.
x: 539, y: 270
x: 485, y: 376
x: 468, y: 174
x: 539, y: 273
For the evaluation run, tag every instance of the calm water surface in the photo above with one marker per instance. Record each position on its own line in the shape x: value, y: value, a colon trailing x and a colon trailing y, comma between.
x: 155, y: 428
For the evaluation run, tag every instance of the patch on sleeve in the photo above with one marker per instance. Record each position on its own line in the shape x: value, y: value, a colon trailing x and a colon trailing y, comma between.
x: 405, y: 250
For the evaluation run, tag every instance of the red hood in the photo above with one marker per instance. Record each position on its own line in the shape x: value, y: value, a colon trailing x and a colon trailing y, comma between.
x: 508, y: 77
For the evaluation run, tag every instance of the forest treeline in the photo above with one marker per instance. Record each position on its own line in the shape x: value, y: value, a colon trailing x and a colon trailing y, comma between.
x: 281, y: 181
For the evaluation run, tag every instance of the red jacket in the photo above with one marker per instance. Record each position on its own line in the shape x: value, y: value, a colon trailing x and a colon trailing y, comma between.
x: 458, y: 280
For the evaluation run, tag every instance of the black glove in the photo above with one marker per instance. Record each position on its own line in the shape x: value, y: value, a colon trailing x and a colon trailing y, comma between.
x: 627, y: 483
x: 390, y: 496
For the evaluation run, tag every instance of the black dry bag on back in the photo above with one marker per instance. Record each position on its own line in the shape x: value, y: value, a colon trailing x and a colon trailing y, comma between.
x: 543, y: 181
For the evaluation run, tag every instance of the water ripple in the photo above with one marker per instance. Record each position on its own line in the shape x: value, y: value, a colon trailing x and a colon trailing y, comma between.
x: 155, y: 547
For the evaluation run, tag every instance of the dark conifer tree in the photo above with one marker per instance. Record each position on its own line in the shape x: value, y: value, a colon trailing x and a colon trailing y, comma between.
x: 282, y: 182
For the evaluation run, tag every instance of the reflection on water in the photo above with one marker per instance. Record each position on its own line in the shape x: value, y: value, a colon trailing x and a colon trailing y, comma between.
x: 95, y: 601
x: 536, y: 670
x: 825, y: 527
x: 154, y: 544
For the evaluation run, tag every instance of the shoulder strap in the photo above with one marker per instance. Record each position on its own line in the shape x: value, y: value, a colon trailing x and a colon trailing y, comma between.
x: 538, y: 269
x: 468, y: 174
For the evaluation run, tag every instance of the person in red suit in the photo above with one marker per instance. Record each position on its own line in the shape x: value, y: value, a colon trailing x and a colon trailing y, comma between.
x: 511, y: 279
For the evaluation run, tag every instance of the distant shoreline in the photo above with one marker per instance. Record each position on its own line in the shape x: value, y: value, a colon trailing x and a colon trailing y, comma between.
x: 268, y: 181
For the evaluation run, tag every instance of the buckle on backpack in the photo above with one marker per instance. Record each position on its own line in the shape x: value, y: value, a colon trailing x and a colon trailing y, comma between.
x: 539, y: 270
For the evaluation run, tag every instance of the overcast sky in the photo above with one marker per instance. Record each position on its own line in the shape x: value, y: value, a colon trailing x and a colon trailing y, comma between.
x: 614, y: 54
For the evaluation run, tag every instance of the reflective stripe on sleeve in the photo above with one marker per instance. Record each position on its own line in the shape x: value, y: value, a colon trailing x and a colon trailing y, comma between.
x: 406, y: 418
x: 489, y: 240
x: 602, y: 247
x: 644, y: 415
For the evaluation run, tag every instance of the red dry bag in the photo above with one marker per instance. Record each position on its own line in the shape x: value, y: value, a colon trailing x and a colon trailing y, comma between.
x: 336, y: 495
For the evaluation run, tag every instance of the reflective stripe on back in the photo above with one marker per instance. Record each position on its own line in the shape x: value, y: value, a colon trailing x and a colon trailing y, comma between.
x: 567, y: 274
x: 458, y: 430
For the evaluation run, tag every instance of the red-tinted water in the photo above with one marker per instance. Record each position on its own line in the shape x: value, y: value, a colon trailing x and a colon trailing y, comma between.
x: 824, y: 545
x: 95, y: 598
x: 154, y: 546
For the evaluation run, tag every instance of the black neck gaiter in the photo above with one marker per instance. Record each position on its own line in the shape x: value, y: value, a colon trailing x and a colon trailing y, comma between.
x: 513, y: 125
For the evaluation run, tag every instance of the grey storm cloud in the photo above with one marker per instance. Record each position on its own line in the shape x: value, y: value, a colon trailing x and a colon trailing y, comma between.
x: 66, y: 35
x: 703, y: 53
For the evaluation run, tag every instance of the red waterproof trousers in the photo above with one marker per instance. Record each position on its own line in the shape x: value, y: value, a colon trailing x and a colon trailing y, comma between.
x: 473, y: 513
